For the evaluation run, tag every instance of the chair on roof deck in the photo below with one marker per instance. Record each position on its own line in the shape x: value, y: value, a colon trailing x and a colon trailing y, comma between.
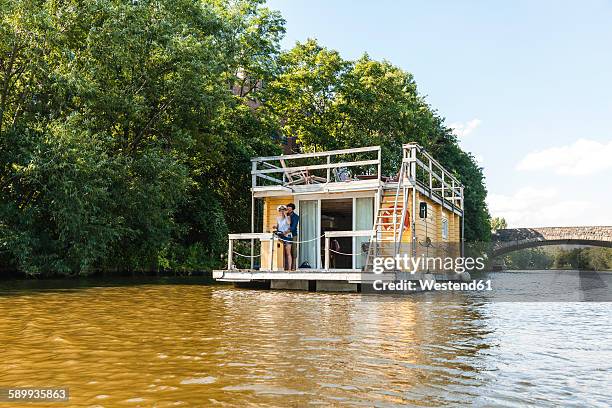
x: 341, y: 174
x: 297, y: 177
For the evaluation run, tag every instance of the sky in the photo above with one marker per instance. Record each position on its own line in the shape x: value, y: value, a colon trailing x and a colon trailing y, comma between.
x: 526, y: 86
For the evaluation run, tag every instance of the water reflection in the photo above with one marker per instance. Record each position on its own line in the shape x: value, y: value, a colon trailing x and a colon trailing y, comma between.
x: 203, y: 345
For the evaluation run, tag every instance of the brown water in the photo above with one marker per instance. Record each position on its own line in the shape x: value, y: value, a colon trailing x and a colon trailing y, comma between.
x: 196, y: 345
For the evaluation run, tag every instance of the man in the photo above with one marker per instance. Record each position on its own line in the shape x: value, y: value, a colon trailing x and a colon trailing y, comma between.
x: 289, y: 250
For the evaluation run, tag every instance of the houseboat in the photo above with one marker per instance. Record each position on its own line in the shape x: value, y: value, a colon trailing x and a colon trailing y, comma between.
x: 349, y: 215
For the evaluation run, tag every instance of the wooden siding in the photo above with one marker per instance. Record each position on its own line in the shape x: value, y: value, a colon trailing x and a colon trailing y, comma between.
x: 432, y: 227
x: 270, y: 213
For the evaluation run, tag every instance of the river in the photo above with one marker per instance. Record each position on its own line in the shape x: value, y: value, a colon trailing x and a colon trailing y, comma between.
x: 161, y: 344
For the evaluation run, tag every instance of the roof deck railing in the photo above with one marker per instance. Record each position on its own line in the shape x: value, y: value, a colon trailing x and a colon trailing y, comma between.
x: 426, y: 172
x: 362, y: 163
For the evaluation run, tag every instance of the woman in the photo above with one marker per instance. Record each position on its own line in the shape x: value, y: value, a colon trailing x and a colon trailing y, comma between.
x: 283, y: 230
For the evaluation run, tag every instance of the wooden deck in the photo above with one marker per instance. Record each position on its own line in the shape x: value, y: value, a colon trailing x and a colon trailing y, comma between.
x: 314, y: 280
x: 248, y: 275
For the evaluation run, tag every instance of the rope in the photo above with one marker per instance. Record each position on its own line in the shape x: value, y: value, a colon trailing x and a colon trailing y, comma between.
x: 246, y: 256
x: 293, y: 242
x: 301, y: 242
x: 344, y: 253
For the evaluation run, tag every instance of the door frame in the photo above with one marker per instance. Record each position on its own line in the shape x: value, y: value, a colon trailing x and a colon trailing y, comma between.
x: 354, y: 239
x: 317, y: 231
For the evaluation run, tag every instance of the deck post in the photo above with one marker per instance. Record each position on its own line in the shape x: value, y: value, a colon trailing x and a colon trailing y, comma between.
x: 462, y: 225
x: 253, y: 174
x: 253, y: 230
x: 328, y: 169
x: 442, y: 191
x: 413, y: 164
x: 254, y: 184
x: 379, y: 163
x: 326, y: 252
x: 230, y: 254
x: 272, y: 254
x: 430, y: 179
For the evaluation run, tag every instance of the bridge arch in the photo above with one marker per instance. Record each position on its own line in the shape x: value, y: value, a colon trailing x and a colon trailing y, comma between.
x: 513, y: 239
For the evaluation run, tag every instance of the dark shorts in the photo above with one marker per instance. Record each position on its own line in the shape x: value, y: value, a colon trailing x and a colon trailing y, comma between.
x: 286, y: 240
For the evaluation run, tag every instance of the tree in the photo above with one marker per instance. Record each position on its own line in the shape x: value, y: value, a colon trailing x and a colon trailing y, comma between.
x: 126, y: 128
x: 109, y: 113
x: 302, y: 97
x: 600, y: 259
x: 330, y: 103
x: 597, y: 259
x: 498, y: 223
x: 531, y: 258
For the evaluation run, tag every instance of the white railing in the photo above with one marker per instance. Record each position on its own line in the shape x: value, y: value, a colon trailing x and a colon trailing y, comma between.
x: 320, y: 167
x: 270, y: 237
x: 425, y: 171
x: 339, y: 234
x: 252, y: 236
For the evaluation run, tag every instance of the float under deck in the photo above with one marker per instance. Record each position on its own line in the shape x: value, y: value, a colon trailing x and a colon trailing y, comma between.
x: 320, y: 280
x: 247, y: 275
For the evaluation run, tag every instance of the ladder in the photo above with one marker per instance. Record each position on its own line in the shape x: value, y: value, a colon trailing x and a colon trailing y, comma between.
x: 389, y: 223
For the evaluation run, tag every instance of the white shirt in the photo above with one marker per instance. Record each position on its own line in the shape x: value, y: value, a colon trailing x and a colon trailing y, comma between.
x: 284, y: 225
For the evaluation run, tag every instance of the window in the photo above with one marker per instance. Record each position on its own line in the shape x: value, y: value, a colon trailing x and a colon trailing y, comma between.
x: 425, y: 211
x: 444, y: 228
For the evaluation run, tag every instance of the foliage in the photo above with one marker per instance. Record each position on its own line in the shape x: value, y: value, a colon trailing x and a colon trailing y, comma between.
x: 582, y: 258
x: 585, y: 258
x: 331, y: 103
x: 119, y: 134
x: 531, y: 258
x: 126, y: 128
x: 498, y: 223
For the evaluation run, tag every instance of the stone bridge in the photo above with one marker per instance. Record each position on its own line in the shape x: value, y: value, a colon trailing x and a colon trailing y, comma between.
x: 512, y: 239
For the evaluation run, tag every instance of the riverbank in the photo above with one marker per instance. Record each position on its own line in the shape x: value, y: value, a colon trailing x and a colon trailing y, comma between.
x: 25, y: 285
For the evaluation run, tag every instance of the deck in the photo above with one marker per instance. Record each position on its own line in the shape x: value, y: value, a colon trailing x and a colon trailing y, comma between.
x: 247, y: 275
x: 313, y: 280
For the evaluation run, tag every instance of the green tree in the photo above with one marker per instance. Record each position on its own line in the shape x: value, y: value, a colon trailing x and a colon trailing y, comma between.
x: 498, y: 223
x: 126, y: 128
x: 330, y: 103
x: 591, y: 258
x: 531, y: 258
x: 119, y: 131
x: 302, y: 97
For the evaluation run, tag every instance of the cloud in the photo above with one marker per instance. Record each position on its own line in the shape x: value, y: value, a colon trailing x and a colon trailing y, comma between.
x: 461, y: 129
x: 584, y: 157
x: 544, y: 207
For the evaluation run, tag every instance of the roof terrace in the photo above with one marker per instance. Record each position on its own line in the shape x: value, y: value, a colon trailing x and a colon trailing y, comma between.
x: 354, y: 169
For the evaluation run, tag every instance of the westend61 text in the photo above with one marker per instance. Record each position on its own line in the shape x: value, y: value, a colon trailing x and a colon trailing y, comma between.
x: 422, y: 263
x: 428, y: 285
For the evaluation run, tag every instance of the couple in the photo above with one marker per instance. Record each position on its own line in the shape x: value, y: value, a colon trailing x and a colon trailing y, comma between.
x: 286, y: 228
